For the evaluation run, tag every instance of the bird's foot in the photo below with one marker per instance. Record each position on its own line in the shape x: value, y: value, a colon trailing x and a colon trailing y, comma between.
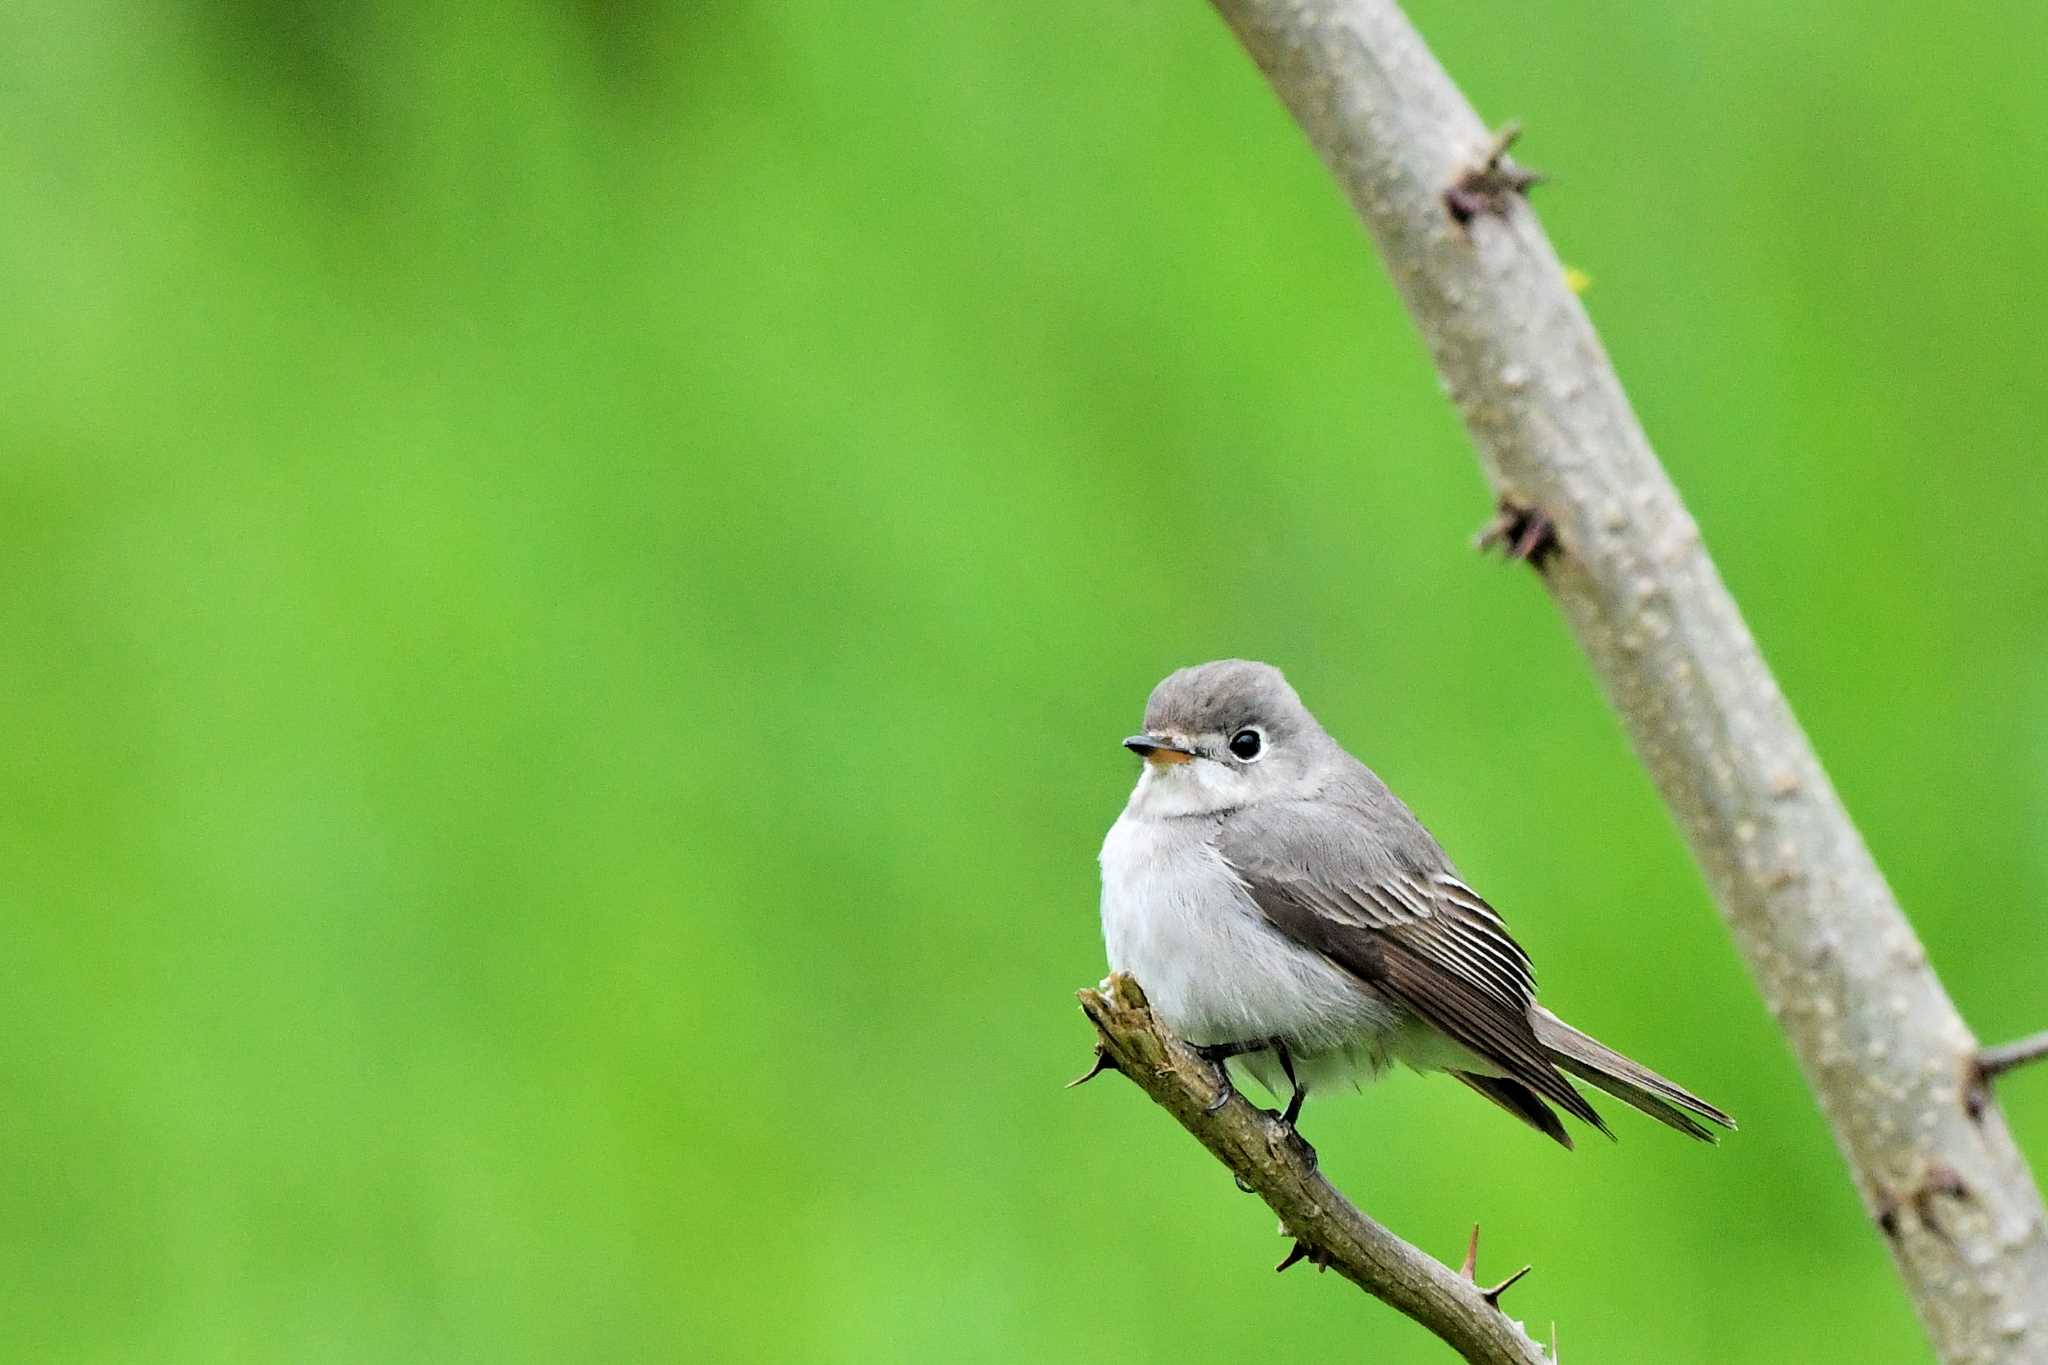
x: 1285, y: 1131
x: 1216, y: 1054
x: 1298, y: 1092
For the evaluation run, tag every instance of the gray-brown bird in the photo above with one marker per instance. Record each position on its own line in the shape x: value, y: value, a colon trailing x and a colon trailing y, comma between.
x: 1280, y: 906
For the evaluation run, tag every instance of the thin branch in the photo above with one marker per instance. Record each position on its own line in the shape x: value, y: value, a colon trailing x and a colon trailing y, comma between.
x: 1996, y: 1061
x: 1328, y: 1230
x: 1882, y: 1047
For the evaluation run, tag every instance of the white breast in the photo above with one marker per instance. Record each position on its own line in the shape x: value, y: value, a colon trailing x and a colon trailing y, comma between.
x: 1176, y: 917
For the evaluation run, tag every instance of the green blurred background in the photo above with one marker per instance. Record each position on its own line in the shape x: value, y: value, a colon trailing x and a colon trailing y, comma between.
x: 570, y: 576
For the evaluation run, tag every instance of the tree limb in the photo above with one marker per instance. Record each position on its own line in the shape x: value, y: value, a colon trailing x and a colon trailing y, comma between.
x: 1891, y: 1062
x: 1328, y: 1230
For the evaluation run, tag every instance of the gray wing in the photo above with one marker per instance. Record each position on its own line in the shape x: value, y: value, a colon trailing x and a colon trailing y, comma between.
x: 1365, y: 885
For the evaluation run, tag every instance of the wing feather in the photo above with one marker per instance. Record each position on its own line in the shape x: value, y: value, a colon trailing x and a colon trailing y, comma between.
x: 1325, y: 877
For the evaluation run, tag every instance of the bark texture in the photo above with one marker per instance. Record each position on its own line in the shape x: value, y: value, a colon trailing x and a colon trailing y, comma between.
x: 1888, y: 1057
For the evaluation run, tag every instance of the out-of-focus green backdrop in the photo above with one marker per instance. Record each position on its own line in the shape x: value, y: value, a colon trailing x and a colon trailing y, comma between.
x: 570, y: 575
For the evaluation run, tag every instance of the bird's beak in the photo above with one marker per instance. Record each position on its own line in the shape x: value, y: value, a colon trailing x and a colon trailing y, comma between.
x: 1157, y: 751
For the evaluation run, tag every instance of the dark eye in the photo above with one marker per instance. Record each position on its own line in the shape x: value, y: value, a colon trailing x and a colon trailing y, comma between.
x: 1246, y: 744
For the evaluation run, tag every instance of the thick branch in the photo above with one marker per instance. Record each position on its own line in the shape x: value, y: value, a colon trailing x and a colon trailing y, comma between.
x: 1321, y: 1220
x: 1891, y: 1062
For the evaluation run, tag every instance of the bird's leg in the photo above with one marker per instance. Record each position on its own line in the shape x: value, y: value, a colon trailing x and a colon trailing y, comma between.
x: 1300, y: 1093
x: 1216, y: 1054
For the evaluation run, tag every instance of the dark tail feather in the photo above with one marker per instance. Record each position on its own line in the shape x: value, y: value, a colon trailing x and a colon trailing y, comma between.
x: 1519, y: 1100
x: 1597, y: 1064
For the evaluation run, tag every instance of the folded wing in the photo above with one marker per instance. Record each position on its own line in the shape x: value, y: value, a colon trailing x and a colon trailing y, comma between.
x: 1407, y: 926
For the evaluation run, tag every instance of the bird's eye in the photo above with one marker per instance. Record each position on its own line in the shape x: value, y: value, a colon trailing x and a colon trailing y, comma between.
x: 1246, y: 744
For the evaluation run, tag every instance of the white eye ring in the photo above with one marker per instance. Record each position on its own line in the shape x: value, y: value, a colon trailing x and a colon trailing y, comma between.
x: 1248, y: 745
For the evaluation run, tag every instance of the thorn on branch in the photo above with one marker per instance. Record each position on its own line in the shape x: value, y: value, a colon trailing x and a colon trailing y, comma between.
x: 1492, y: 1295
x: 1523, y: 533
x: 1302, y: 1251
x: 1469, y: 1271
x: 1103, y: 1062
x: 1489, y: 187
x: 1995, y: 1061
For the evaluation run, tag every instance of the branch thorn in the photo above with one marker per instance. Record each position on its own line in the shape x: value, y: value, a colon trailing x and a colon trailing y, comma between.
x: 1469, y: 1272
x: 1302, y: 1251
x: 1103, y: 1062
x: 1992, y: 1062
x: 1522, y: 532
x: 1996, y: 1061
x: 1490, y: 186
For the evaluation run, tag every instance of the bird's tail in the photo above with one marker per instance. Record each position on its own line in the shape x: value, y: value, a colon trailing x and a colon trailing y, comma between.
x: 1598, y: 1064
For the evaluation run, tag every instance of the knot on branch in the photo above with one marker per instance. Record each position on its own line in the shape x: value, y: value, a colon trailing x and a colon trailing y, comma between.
x: 1489, y: 187
x: 1523, y: 533
x: 1939, y: 1179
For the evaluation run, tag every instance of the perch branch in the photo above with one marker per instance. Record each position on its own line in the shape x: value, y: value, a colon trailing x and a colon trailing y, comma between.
x: 1327, y: 1230
x: 1889, y: 1059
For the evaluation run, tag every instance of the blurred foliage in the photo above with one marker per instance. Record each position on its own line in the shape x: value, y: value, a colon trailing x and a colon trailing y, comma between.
x: 571, y: 575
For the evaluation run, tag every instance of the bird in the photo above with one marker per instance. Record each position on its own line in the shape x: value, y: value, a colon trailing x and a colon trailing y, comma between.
x: 1284, y: 912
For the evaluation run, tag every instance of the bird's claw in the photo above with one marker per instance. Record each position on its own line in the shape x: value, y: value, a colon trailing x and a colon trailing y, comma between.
x: 1286, y: 1132
x: 1216, y: 1055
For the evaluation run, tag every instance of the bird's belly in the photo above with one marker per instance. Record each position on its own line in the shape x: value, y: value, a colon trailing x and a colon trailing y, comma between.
x: 1178, y: 920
